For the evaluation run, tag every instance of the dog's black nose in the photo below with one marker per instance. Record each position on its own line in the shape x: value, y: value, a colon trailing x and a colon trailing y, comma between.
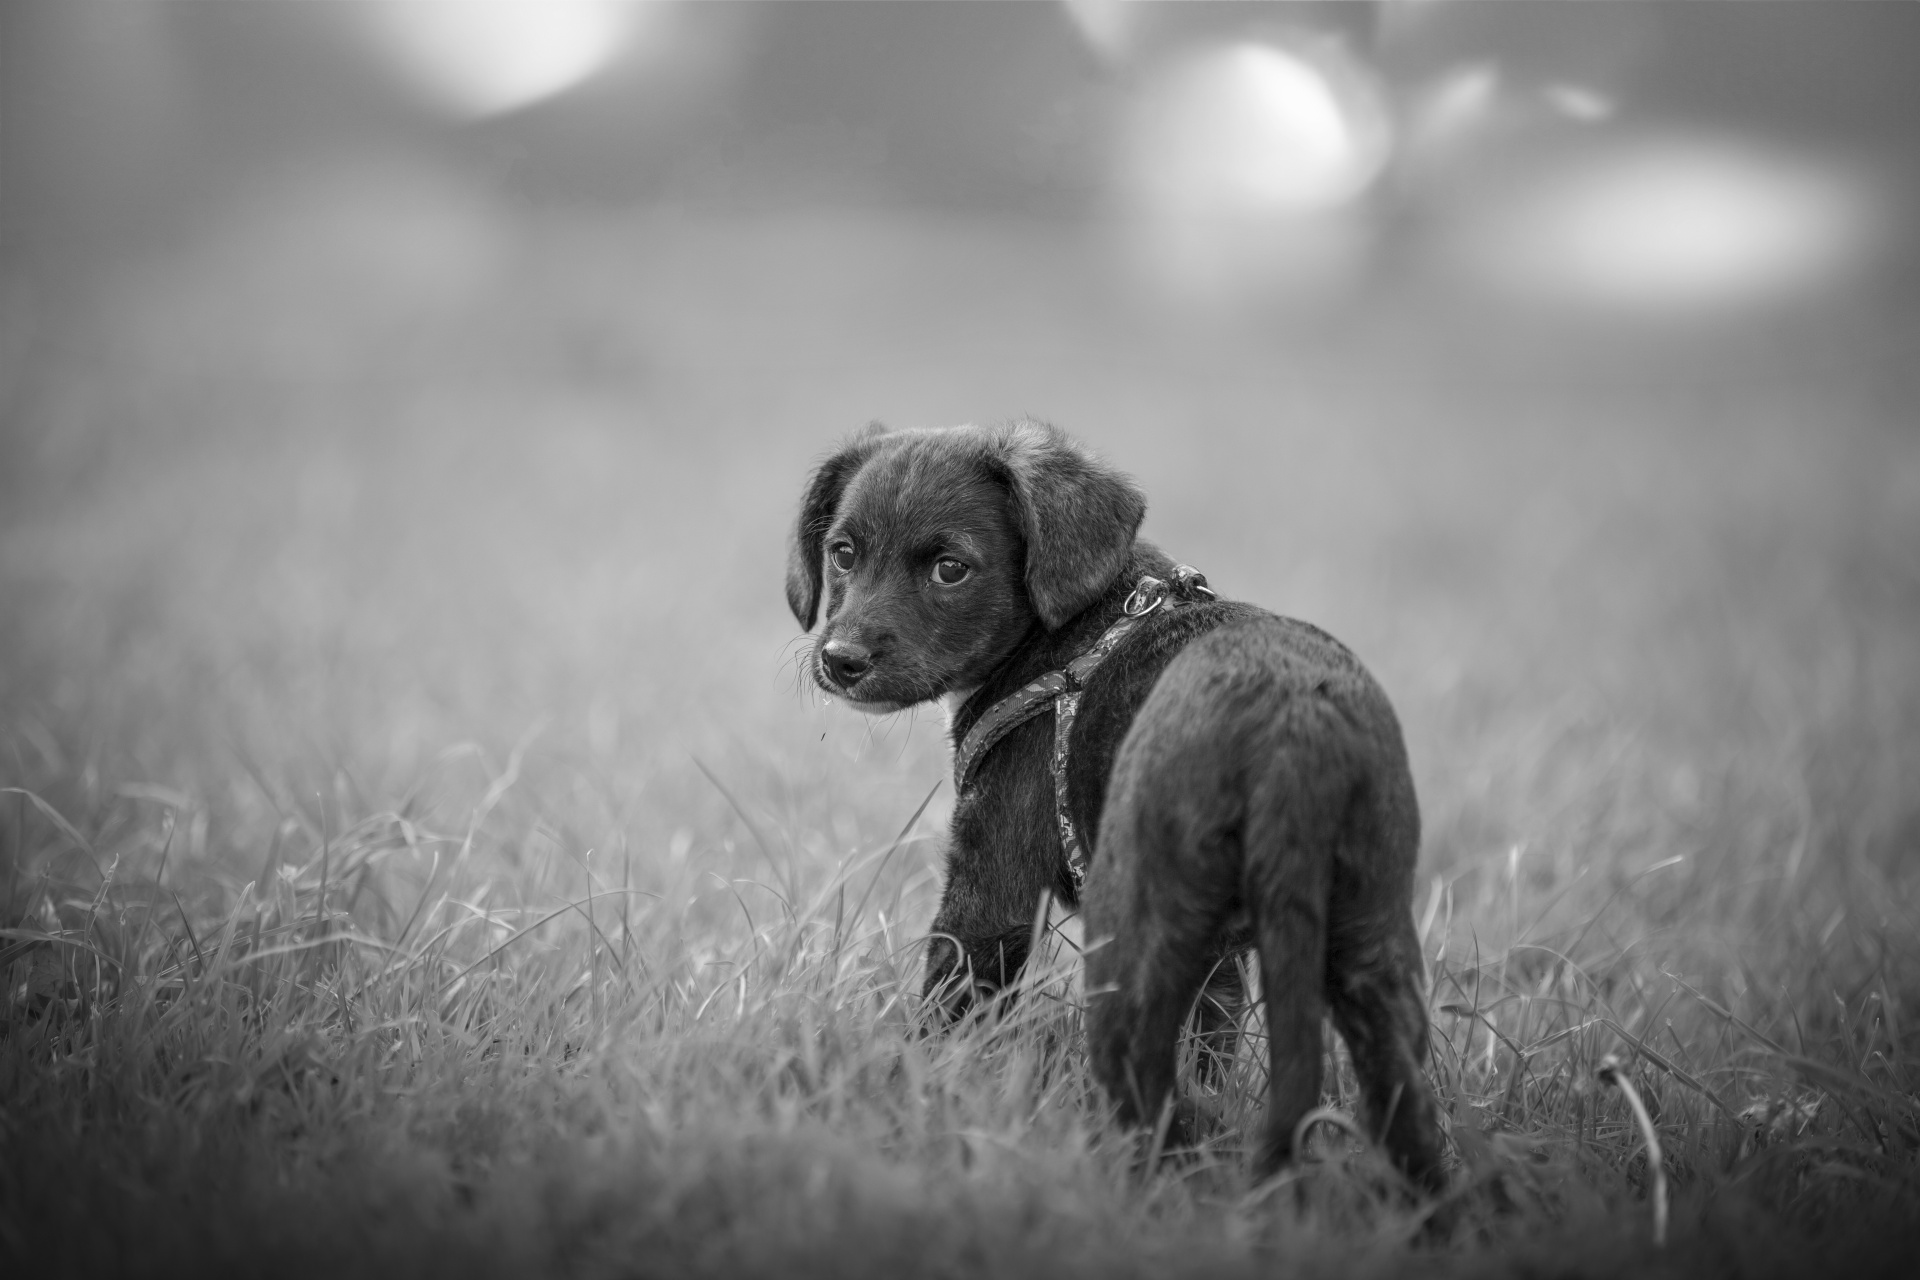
x: 845, y: 662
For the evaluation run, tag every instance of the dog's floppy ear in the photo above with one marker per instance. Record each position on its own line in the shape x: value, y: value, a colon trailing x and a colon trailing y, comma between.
x: 817, y: 506
x: 1077, y: 514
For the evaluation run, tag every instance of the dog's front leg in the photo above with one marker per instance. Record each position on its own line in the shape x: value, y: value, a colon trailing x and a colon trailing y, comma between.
x: 979, y: 943
x: 1002, y: 854
x: 968, y: 971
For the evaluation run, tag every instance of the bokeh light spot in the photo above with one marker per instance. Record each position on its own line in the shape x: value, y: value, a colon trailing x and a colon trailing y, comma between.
x: 475, y: 58
x: 1254, y: 128
x: 1680, y: 223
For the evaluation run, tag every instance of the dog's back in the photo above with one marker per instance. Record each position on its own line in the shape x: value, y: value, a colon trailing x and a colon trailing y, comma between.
x: 1263, y: 776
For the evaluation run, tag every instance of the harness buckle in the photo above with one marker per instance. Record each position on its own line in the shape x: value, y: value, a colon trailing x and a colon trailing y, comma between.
x: 1192, y: 583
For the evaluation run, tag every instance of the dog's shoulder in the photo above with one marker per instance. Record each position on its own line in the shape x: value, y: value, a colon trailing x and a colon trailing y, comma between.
x: 1124, y: 678
x: 1262, y: 634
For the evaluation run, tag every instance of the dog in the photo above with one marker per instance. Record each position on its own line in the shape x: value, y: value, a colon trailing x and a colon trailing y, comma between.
x: 1195, y: 774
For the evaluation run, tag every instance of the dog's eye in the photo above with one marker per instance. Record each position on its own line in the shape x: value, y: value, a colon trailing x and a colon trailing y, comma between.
x: 841, y: 556
x: 948, y: 571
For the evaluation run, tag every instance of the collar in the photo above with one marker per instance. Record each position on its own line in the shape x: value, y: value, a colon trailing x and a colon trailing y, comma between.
x: 1059, y: 691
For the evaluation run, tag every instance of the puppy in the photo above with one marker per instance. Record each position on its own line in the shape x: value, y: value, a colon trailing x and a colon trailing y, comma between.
x: 1193, y: 773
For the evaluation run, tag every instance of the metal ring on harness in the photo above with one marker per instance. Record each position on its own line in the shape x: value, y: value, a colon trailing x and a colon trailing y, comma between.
x: 1147, y: 595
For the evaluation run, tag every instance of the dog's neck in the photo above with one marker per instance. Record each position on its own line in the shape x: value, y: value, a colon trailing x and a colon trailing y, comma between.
x: 1041, y: 651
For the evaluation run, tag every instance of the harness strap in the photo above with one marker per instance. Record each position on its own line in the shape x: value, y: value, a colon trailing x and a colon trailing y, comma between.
x: 1060, y: 691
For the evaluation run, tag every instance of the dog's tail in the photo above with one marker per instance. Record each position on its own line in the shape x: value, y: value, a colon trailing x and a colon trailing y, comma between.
x: 1296, y: 799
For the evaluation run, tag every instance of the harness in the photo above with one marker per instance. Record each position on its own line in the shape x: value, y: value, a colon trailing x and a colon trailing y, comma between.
x: 1060, y: 690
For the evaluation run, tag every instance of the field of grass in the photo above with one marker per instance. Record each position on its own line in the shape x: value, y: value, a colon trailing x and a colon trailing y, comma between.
x: 419, y: 856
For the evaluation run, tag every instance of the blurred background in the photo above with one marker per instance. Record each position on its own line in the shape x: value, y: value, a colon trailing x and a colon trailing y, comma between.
x: 1660, y: 158
x: 382, y: 377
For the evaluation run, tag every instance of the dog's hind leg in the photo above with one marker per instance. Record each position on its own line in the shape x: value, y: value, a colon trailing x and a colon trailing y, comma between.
x: 1144, y: 968
x: 1380, y: 1011
x: 1163, y: 883
x: 1375, y: 983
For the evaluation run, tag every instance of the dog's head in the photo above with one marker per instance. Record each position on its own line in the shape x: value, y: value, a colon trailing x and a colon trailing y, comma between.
x: 928, y: 555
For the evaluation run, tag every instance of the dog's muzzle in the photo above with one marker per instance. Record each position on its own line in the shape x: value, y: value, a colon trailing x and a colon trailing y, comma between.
x: 845, y: 664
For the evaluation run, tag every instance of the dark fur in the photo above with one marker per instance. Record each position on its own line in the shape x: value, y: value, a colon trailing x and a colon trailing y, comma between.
x: 1240, y: 770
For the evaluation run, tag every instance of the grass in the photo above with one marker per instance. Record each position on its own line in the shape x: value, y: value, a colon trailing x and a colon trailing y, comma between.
x: 418, y: 860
